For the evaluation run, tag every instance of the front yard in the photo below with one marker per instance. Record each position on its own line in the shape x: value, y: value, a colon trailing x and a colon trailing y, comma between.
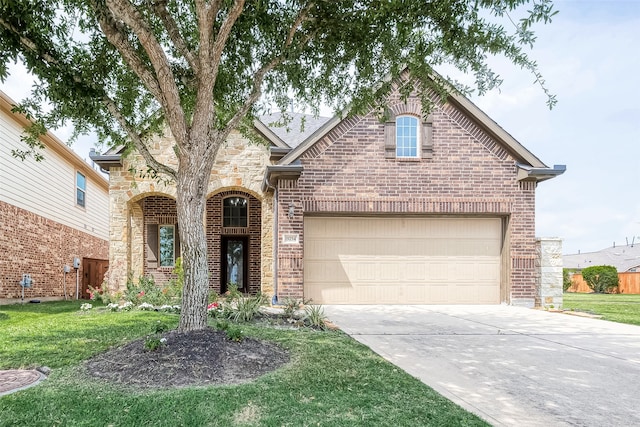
x: 331, y: 380
x: 622, y: 308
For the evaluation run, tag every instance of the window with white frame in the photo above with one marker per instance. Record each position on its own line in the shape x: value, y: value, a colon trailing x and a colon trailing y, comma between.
x: 81, y: 189
x: 407, y: 136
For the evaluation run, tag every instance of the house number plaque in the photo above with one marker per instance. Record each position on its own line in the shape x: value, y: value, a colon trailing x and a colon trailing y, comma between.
x: 290, y: 239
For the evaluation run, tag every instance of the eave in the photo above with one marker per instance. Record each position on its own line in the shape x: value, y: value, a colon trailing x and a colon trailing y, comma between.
x: 528, y: 173
x: 105, y: 161
x: 277, y: 172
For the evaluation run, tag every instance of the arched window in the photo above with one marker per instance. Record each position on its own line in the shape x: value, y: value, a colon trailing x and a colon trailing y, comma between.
x: 407, y: 136
x: 234, y: 212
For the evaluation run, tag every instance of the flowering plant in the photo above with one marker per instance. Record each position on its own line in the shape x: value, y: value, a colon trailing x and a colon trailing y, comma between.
x: 86, y: 306
x: 214, y: 308
x: 146, y: 306
x: 170, y: 308
x: 113, y: 306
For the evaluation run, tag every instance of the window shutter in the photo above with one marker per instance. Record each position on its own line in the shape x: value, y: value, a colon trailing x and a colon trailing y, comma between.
x: 152, y: 245
x: 427, y: 138
x: 390, y: 140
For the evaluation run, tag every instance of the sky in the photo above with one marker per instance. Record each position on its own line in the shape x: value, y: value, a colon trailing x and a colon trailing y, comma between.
x: 589, y: 58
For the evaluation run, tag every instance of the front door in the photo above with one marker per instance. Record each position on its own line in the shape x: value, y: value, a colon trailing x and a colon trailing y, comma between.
x: 234, y: 263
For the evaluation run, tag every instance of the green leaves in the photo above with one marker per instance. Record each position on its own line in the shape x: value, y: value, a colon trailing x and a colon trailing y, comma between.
x: 325, y: 52
x: 601, y: 278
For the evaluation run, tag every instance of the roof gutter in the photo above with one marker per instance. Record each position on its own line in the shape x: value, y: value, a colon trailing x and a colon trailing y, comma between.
x: 276, y: 172
x: 529, y: 173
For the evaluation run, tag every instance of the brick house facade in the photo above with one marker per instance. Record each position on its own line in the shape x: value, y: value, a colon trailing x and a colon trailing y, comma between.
x: 467, y: 188
x: 47, y: 217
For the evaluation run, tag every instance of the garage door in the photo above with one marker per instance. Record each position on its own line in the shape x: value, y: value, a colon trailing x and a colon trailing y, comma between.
x: 411, y: 260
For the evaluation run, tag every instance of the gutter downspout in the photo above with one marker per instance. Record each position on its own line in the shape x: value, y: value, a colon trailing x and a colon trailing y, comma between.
x: 274, y: 299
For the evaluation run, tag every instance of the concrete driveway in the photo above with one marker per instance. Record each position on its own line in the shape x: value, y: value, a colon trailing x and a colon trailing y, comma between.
x: 510, y: 365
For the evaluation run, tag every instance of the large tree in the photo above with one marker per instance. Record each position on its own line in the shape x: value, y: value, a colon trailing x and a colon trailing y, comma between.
x: 128, y: 69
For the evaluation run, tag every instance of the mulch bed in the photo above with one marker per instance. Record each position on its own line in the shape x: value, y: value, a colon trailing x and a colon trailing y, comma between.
x: 196, y: 358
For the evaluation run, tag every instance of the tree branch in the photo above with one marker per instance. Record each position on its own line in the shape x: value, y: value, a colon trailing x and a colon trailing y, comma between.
x: 209, y: 57
x: 160, y: 8
x: 169, y: 95
x: 111, y: 106
x: 136, y: 139
x: 116, y: 35
x: 256, y: 91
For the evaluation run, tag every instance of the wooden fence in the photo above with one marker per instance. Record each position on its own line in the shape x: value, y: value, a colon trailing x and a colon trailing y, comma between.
x: 629, y: 283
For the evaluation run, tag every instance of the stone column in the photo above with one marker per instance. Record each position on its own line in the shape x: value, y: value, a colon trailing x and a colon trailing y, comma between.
x: 549, y: 272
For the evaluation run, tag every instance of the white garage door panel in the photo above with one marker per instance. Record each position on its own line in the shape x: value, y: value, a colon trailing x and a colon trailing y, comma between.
x: 402, y: 260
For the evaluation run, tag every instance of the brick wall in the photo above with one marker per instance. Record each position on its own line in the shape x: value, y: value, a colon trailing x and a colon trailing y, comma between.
x: 41, y: 247
x: 468, y: 174
x: 158, y: 210
x: 253, y: 232
x: 162, y: 210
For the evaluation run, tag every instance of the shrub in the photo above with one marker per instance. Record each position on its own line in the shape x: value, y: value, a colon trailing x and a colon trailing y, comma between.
x: 315, y: 316
x: 246, y: 309
x: 147, y: 291
x: 601, y: 278
x: 234, y: 333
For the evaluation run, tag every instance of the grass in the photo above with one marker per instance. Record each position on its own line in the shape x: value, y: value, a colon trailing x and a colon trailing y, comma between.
x: 621, y: 308
x: 331, y: 381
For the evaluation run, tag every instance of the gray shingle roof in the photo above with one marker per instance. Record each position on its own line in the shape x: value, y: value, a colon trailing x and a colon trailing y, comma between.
x: 299, y: 128
x: 623, y: 258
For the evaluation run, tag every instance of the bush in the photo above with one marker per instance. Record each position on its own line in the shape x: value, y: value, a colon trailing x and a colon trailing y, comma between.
x: 601, y: 278
x: 146, y: 290
x: 314, y: 317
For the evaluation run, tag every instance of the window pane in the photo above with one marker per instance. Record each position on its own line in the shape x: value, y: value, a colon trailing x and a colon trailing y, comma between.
x: 167, y: 245
x: 235, y: 263
x: 81, y: 181
x: 81, y: 188
x: 79, y: 197
x: 406, y: 136
x: 235, y: 212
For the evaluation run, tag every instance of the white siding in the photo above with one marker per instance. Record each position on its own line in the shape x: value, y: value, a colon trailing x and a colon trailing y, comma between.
x: 47, y: 188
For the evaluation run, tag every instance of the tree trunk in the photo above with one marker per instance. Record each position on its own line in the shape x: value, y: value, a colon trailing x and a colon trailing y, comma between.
x: 193, y: 177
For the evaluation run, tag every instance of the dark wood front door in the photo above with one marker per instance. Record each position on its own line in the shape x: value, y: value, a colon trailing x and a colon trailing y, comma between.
x: 234, y: 263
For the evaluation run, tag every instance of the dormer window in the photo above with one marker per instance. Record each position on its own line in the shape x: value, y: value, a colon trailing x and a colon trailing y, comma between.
x: 407, y: 136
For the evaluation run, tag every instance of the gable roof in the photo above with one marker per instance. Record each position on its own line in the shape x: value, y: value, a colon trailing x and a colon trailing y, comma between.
x: 623, y: 258
x: 53, y: 143
x: 298, y: 129
x: 529, y: 166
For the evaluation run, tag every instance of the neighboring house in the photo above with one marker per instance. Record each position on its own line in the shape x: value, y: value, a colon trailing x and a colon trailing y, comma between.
x: 51, y: 212
x: 626, y: 259
x: 419, y: 209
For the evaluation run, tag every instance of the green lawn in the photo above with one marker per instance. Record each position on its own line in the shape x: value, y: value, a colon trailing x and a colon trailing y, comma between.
x: 332, y: 380
x: 615, y: 307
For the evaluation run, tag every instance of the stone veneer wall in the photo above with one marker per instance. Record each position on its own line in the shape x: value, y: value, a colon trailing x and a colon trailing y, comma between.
x: 32, y: 244
x: 550, y: 272
x: 469, y: 174
x: 240, y: 166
